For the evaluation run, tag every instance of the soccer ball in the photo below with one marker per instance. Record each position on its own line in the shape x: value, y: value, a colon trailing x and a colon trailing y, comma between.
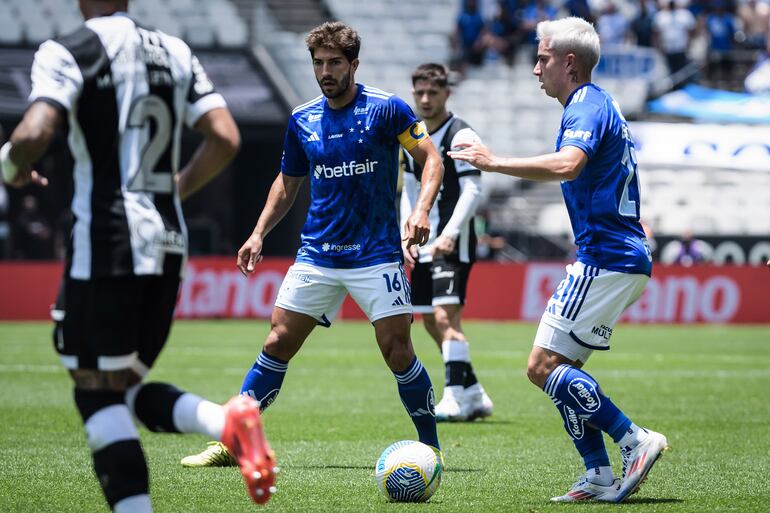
x: 409, y: 471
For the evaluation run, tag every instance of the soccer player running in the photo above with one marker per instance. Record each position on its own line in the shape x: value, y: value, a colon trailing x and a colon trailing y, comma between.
x: 596, y: 164
x: 125, y: 91
x: 441, y: 268
x: 346, y: 142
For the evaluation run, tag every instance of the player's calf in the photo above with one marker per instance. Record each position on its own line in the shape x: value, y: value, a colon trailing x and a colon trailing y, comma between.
x: 118, y: 459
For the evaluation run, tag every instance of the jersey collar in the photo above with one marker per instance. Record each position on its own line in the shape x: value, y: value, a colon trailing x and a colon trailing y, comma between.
x: 569, y: 98
x: 359, y: 92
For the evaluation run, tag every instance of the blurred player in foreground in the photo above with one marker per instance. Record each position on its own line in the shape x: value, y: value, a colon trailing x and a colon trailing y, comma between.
x: 596, y: 164
x: 346, y: 142
x: 125, y: 92
x: 441, y: 268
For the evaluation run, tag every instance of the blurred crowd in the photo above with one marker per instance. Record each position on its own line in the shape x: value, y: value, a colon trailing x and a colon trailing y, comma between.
x: 490, y: 30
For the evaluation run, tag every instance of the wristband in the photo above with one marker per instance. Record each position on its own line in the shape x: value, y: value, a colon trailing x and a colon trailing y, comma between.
x: 9, y: 168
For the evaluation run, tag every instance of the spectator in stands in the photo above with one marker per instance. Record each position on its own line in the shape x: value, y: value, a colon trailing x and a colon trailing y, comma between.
x: 696, y: 7
x: 468, y: 35
x: 33, y: 237
x: 691, y: 251
x: 5, y: 228
x: 642, y: 25
x: 535, y: 12
x: 503, y: 35
x: 719, y: 25
x: 612, y: 25
x: 755, y: 18
x: 579, y: 8
x: 673, y: 28
x: 489, y: 242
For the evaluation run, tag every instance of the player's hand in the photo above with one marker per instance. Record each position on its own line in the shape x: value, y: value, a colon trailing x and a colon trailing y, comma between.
x: 411, y: 254
x: 474, y: 153
x: 27, y: 176
x: 416, y: 229
x: 443, y: 245
x: 250, y: 254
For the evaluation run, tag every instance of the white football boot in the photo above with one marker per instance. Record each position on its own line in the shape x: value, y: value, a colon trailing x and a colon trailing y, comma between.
x: 584, y: 490
x: 450, y: 408
x: 637, y: 462
x: 476, y: 402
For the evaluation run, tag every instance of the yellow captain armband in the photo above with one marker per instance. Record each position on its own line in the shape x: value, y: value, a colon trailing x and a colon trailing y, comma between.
x: 414, y: 135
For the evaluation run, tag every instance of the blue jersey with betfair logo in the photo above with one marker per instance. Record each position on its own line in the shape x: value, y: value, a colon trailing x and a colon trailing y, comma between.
x: 351, y: 158
x: 603, y: 202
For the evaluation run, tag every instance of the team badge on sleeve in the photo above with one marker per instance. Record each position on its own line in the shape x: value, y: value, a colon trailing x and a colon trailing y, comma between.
x: 413, y: 135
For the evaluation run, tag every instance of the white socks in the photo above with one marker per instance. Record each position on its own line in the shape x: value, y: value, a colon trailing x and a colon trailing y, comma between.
x: 633, y: 436
x: 193, y: 414
x: 455, y: 392
x: 135, y: 504
x: 602, y: 476
x: 455, y: 351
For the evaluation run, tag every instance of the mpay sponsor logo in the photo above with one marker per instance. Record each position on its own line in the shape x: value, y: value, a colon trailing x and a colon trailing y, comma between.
x: 584, y: 392
x: 345, y: 169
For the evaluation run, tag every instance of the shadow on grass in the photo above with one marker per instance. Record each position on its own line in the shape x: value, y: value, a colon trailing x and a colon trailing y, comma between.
x: 477, y: 423
x: 628, y: 502
x: 369, y: 467
x: 651, y: 500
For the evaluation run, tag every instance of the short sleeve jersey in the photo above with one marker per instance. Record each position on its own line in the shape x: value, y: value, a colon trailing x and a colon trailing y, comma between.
x: 603, y: 202
x: 126, y: 91
x: 351, y: 157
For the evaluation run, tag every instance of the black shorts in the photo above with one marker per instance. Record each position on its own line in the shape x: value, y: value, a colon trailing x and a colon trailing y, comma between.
x: 441, y: 282
x: 114, y: 323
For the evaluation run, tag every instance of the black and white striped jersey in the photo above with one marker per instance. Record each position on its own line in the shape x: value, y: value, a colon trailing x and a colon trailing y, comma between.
x: 456, y: 203
x: 127, y: 90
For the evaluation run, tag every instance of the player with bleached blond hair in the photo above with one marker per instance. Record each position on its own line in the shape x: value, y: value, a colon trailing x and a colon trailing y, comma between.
x: 595, y: 162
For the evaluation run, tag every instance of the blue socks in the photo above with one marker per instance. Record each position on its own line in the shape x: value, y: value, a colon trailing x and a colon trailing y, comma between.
x: 416, y: 393
x: 263, y: 381
x: 586, y: 413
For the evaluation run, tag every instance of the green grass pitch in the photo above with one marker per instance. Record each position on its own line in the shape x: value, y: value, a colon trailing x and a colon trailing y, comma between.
x: 705, y: 387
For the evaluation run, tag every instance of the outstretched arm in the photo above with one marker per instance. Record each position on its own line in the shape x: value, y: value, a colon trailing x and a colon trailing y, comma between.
x: 28, y: 143
x: 565, y: 164
x: 417, y: 226
x: 282, y: 194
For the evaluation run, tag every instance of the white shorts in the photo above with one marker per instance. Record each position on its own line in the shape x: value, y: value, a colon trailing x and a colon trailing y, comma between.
x: 380, y: 290
x: 585, y: 307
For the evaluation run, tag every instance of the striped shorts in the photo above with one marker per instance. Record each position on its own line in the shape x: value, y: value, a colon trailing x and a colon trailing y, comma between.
x: 589, y: 301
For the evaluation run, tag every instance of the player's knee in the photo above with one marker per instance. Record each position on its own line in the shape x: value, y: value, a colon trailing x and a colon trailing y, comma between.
x: 153, y: 404
x: 398, y: 353
x: 278, y: 342
x: 116, y: 381
x: 442, y: 320
x: 537, y: 372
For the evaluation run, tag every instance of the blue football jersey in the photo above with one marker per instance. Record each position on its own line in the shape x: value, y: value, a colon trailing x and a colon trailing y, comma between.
x: 351, y: 156
x: 603, y: 202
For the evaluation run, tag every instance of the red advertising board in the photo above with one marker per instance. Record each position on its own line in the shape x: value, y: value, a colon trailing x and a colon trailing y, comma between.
x: 214, y: 288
